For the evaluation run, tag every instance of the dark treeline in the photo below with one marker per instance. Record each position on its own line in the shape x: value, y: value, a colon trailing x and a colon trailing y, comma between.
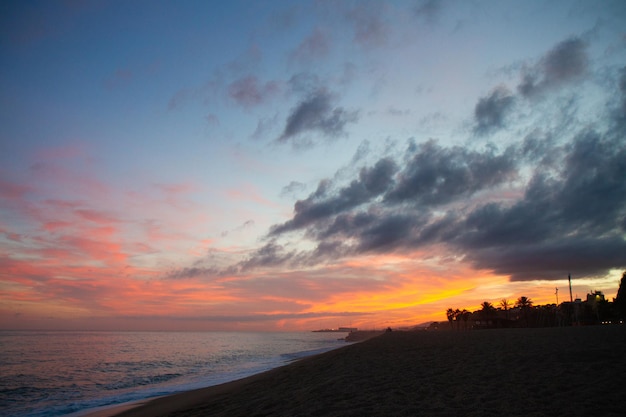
x: 595, y: 309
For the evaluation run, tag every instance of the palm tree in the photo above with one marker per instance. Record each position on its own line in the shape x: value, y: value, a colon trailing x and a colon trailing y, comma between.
x: 486, y: 306
x: 450, y: 315
x: 505, y: 304
x: 487, y: 309
x: 465, y: 315
x: 525, y: 304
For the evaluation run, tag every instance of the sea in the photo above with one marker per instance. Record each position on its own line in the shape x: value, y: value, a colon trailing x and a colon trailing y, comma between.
x: 61, y: 373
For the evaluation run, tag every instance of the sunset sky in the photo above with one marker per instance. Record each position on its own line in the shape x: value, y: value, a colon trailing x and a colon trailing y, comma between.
x: 281, y: 165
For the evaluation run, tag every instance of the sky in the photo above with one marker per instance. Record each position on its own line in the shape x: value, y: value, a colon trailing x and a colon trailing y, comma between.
x: 280, y: 165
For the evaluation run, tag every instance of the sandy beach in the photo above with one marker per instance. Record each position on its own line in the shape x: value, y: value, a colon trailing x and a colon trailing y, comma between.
x: 574, y: 371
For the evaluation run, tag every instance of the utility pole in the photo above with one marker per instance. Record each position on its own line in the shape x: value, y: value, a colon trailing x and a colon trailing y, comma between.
x: 556, y: 292
x: 571, y: 300
x: 569, y: 277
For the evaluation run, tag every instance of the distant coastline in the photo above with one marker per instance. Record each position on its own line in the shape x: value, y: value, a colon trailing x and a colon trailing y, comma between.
x: 338, y: 330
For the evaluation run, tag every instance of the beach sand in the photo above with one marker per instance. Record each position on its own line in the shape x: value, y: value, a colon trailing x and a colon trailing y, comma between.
x: 574, y: 371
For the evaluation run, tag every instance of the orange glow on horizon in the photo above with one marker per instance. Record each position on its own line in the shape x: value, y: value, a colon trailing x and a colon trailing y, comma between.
x: 95, y: 281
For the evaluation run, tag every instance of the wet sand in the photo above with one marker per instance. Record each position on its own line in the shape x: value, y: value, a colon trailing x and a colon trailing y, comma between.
x: 574, y: 371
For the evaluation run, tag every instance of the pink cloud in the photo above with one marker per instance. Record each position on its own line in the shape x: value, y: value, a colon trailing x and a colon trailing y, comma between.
x: 97, y: 216
x: 249, y: 91
x: 85, y: 255
x: 69, y: 179
x: 316, y: 46
x: 10, y: 235
x: 12, y: 191
x: 248, y: 192
x: 176, y: 188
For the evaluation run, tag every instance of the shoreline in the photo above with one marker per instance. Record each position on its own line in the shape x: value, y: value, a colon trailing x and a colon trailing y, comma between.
x: 553, y: 371
x: 112, y: 410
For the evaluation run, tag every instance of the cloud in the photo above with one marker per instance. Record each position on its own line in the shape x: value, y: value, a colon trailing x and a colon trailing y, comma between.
x: 247, y: 61
x: 567, y: 213
x: 376, y: 230
x: 313, y: 48
x: 547, y: 203
x: 264, y: 126
x: 249, y: 91
x: 269, y: 255
x: 12, y: 191
x: 434, y: 175
x: 429, y: 10
x: 564, y: 63
x: 622, y: 90
x: 246, y: 225
x: 372, y: 182
x: 491, y: 111
x: 317, y: 113
x: 270, y: 317
x: 304, y: 82
x: 368, y: 20
x: 211, y: 88
x: 571, y: 219
x: 393, y: 111
x: 191, y: 272
x: 292, y: 189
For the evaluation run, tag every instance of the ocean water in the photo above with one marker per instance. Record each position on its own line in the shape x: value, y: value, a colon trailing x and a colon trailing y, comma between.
x: 64, y: 373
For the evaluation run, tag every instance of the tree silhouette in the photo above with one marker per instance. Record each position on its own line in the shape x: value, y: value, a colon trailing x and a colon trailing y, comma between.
x: 457, y: 318
x: 596, y: 309
x: 524, y: 303
x: 487, y: 309
x: 450, y: 314
x: 465, y: 315
x: 505, y: 304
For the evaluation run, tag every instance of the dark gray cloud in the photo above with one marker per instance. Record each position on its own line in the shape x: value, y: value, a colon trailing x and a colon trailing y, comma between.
x: 571, y: 216
x: 566, y: 62
x: 554, y: 259
x: 270, y: 254
x: 317, y: 113
x: 371, y: 183
x: 569, y: 220
x: 434, y: 175
x: 491, y: 111
x: 550, y: 203
x: 389, y: 232
x: 192, y: 272
x: 622, y: 90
